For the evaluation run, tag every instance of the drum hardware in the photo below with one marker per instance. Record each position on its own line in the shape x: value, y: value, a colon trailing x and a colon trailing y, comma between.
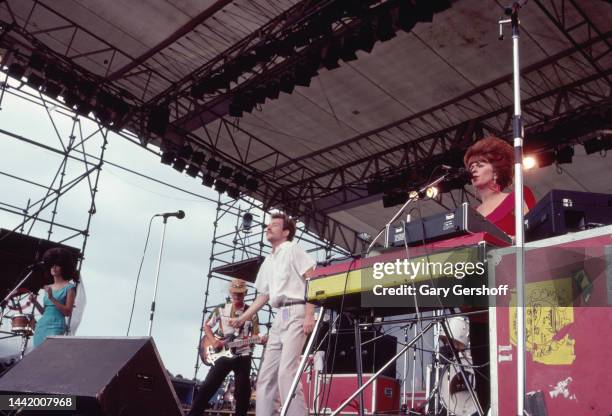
x: 22, y: 324
x: 453, y: 392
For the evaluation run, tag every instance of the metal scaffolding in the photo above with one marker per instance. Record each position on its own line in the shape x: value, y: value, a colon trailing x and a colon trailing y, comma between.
x: 80, y: 157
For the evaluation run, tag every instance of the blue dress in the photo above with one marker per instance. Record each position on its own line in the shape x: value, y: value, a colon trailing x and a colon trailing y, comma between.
x: 52, y: 322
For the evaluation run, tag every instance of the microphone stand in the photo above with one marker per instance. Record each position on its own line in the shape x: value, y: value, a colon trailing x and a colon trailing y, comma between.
x: 401, y: 210
x: 518, y: 136
x: 159, y: 258
x: 12, y: 292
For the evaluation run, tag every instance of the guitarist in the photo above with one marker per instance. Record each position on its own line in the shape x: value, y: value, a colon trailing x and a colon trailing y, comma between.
x: 240, y: 364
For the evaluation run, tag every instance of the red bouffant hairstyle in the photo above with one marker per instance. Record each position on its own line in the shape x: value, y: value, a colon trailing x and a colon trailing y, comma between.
x: 496, y: 152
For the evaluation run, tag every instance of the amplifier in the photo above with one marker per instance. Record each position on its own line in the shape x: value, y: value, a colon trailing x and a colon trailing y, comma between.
x: 341, y: 358
x: 560, y: 212
x: 460, y: 221
x: 326, y: 392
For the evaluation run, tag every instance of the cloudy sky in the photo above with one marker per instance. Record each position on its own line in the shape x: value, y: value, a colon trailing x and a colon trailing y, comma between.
x: 124, y: 204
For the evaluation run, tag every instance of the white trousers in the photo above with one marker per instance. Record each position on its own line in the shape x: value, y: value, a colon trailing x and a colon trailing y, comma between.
x: 280, y: 364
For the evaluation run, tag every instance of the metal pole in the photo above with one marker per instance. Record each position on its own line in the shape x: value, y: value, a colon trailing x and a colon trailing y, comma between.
x: 383, y: 368
x: 159, y: 258
x: 519, y: 219
x: 298, y: 373
x: 518, y: 136
x: 358, y: 362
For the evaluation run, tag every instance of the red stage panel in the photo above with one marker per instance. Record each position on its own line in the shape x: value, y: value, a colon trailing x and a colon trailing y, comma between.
x: 568, y: 322
x: 329, y: 392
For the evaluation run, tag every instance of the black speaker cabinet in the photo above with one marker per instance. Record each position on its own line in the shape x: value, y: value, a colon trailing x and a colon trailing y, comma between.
x: 109, y: 376
x: 374, y: 354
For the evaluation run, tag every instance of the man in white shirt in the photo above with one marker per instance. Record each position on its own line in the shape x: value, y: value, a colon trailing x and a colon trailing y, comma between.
x: 281, y: 281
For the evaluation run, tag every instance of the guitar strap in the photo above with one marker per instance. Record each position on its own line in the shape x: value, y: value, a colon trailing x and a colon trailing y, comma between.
x: 224, y: 321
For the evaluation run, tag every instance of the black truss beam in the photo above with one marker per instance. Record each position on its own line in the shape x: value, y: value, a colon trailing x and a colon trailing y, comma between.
x: 487, y: 105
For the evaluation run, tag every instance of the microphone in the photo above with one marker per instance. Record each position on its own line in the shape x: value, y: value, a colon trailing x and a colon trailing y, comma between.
x: 461, y: 174
x: 37, y: 265
x: 180, y: 214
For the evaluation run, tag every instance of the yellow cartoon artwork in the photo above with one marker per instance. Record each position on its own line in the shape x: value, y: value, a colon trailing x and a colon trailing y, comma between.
x: 548, y: 310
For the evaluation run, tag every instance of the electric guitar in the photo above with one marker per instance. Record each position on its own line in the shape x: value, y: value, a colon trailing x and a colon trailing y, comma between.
x: 209, y: 354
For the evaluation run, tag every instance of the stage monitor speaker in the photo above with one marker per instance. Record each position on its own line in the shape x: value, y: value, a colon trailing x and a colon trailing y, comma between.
x: 109, y: 376
x: 374, y: 354
x: 560, y: 212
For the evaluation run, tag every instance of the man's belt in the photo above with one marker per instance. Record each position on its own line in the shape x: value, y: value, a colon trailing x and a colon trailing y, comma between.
x: 292, y: 302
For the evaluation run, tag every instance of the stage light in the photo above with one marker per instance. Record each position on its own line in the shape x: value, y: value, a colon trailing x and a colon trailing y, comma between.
x: 193, y: 170
x: 168, y: 157
x: 198, y: 89
x: 198, y: 158
x: 240, y: 178
x: 35, y: 81
x: 55, y: 73
x: 71, y: 99
x: 272, y: 89
x: 332, y: 54
x: 431, y: 192
x: 565, y: 155
x: 406, y: 16
x: 87, y: 88
x: 365, y: 38
x: 185, y: 152
x: 244, y: 101
x: 235, y: 110
x: 179, y: 165
x: 287, y: 83
x: 545, y: 159
x: 529, y: 162
x: 247, y: 221
x: 260, y: 93
x: 252, y: 184
x: 37, y: 62
x: 213, y: 164
x: 220, y: 186
x: 594, y: 145
x: 16, y: 71
x: 384, y: 27
x: 159, y: 117
x: 413, y: 195
x: 233, y: 192
x: 218, y: 81
x: 83, y: 108
x: 208, y: 180
x: 52, y: 90
x: 304, y: 71
x: 266, y: 50
x: 226, y: 172
x: 349, y: 46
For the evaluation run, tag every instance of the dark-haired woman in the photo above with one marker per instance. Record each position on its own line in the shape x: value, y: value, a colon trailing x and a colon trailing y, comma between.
x: 57, y: 304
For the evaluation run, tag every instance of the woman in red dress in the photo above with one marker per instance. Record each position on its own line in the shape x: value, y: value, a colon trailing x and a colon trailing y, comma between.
x: 491, y: 161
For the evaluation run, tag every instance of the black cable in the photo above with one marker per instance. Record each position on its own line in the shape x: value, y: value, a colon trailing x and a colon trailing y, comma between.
x: 339, y: 318
x: 144, y: 251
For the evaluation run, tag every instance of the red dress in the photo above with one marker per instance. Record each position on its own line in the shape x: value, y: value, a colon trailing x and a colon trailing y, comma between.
x: 503, y: 215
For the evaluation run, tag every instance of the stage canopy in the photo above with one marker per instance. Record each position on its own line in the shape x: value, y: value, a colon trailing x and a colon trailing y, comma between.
x: 322, y: 107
